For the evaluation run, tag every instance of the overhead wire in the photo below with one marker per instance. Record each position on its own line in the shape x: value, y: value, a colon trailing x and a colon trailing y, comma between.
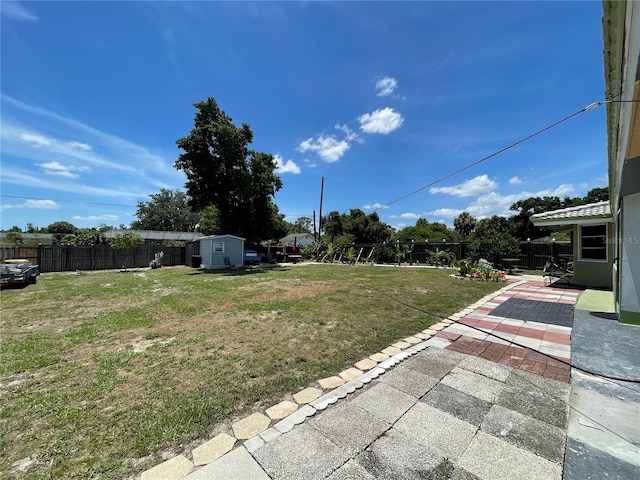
x: 589, y: 107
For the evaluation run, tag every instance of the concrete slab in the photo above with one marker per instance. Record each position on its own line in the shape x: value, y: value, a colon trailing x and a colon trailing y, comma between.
x: 409, y: 381
x: 301, y: 454
x: 175, y: 468
x: 238, y: 464
x: 351, y: 470
x: 454, y: 402
x: 412, y: 340
x: 423, y: 336
x: 535, y: 404
x: 330, y: 383
x: 436, y: 430
x: 281, y: 410
x: 366, y: 364
x: 485, y: 367
x: 588, y: 463
x: 526, y: 432
x: 596, y: 301
x: 617, y: 346
x: 610, y: 431
x: 439, y: 342
x: 307, y: 395
x: 432, y: 365
x: 395, y: 456
x: 349, y: 427
x: 490, y: 458
x: 530, y: 382
x: 350, y: 374
x: 295, y: 418
x: 379, y: 357
x: 479, y: 386
x: 214, y: 448
x: 391, y: 350
x: 270, y: 434
x: 254, y: 443
x: 385, y: 402
x: 250, y: 426
x: 460, y: 473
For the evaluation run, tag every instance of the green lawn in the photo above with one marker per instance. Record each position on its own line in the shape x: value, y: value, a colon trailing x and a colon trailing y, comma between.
x: 102, y: 372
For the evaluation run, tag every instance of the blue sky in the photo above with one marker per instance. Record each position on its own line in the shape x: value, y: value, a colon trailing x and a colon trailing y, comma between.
x: 378, y: 98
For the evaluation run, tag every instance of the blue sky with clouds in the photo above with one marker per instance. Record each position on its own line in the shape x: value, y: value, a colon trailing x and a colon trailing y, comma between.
x: 378, y: 98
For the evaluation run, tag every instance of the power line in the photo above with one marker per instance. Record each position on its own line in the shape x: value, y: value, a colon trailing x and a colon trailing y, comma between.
x: 508, y: 147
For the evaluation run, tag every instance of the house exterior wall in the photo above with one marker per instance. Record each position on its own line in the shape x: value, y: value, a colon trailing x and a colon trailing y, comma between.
x: 629, y: 259
x: 622, y: 79
x: 590, y: 273
x: 233, y: 248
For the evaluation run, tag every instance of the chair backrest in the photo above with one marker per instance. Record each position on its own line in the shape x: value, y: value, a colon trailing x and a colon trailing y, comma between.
x: 227, y: 262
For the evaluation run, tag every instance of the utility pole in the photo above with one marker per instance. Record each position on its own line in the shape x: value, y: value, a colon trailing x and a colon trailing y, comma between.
x: 321, y: 195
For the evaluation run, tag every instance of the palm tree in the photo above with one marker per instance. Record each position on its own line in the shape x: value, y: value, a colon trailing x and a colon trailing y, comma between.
x: 464, y: 224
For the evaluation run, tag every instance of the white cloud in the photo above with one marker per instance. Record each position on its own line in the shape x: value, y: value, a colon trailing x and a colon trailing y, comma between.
x: 383, y: 121
x: 309, y: 163
x: 35, y: 138
x: 80, y: 145
x: 28, y: 179
x: 469, y: 188
x: 350, y: 134
x: 96, y: 217
x: 386, y: 86
x: 125, y: 153
x: 55, y: 168
x: 285, y: 167
x: 17, y: 11
x: 445, y: 213
x: 375, y: 206
x: 407, y: 215
x: 329, y: 148
x: 43, y: 204
x: 495, y: 204
x: 515, y: 181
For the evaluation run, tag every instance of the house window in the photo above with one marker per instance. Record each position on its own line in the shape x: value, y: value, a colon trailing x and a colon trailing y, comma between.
x: 593, y: 243
x: 218, y: 247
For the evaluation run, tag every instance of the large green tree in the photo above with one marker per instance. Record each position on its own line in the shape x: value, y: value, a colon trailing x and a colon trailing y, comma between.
x: 61, y: 228
x: 301, y: 225
x: 361, y: 227
x: 492, y: 240
x: 167, y: 211
x: 464, y: 224
x: 424, y: 231
x: 222, y: 171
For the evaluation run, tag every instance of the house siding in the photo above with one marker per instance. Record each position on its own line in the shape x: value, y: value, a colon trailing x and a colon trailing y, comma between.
x: 629, y: 252
x: 590, y: 273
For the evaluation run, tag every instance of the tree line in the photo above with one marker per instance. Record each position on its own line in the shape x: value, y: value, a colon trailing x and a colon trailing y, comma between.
x: 230, y: 189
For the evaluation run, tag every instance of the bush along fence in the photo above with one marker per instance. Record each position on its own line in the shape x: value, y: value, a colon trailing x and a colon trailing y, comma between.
x: 531, y: 256
x: 56, y: 258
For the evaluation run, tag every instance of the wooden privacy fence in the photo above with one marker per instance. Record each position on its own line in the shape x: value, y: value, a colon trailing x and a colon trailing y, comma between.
x: 56, y: 258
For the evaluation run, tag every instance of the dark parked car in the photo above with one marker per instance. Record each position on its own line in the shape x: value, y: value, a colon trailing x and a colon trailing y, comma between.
x: 251, y: 257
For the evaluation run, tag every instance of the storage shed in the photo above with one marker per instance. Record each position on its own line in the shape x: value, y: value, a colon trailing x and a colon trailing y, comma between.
x: 214, y: 249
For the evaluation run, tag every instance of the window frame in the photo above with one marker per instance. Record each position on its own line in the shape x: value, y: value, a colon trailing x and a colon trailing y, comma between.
x: 605, y: 243
x: 218, y: 247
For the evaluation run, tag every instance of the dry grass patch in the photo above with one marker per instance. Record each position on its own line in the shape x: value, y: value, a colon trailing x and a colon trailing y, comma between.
x: 101, y: 373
